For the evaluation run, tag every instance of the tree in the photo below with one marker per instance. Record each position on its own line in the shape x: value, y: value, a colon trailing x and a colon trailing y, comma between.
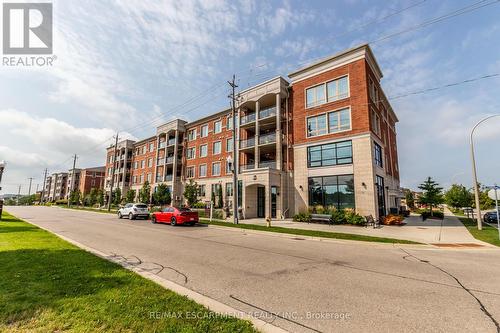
x: 74, y: 197
x: 220, y: 202
x: 410, y: 199
x: 130, y: 196
x: 100, y: 197
x: 458, y: 196
x: 117, y: 196
x: 485, y: 202
x: 145, y: 193
x: 191, y: 193
x: 432, y: 194
x: 93, y: 196
x: 162, y: 195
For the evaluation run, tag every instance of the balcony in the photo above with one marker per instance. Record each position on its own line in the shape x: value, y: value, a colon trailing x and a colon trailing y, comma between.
x: 267, y: 138
x: 266, y: 113
x: 268, y: 164
x: 248, y: 143
x: 160, y: 161
x: 170, y: 160
x: 247, y: 166
x: 162, y: 145
x: 159, y: 178
x: 171, y: 142
x: 169, y: 178
x: 250, y: 118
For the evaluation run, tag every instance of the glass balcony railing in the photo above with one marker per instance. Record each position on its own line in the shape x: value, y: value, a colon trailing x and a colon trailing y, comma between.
x: 162, y: 144
x: 171, y: 142
x: 168, y: 178
x: 160, y: 161
x: 159, y: 178
x: 247, y: 143
x: 268, y: 164
x: 269, y: 112
x: 170, y: 160
x: 247, y: 119
x: 247, y: 166
x: 267, y: 138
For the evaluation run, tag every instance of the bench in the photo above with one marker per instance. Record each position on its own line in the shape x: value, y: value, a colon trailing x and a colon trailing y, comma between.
x: 321, y: 217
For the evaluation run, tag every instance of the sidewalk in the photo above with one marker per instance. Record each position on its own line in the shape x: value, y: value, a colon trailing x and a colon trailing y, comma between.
x: 447, y: 231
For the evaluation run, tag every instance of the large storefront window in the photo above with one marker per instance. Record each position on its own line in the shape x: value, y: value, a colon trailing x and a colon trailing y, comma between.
x: 337, y: 191
x: 330, y: 154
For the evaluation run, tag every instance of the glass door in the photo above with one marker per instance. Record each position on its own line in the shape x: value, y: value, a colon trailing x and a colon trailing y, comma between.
x: 261, y: 201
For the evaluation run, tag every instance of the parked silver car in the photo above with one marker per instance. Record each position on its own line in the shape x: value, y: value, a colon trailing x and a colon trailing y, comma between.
x: 133, y: 211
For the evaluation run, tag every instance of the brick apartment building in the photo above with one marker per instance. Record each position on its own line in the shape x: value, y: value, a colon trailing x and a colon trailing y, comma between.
x: 91, y: 178
x: 326, y: 137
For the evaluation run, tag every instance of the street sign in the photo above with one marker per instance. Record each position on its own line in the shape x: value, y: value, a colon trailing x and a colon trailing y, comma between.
x: 491, y: 194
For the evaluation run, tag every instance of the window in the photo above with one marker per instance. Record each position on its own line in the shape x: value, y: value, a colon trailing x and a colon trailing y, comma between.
x: 229, y: 122
x: 378, y: 155
x: 203, y: 151
x: 191, y: 153
x: 339, y: 120
x: 150, y: 162
x: 228, y: 168
x: 190, y: 172
x: 192, y: 135
x: 327, y: 92
x: 135, y: 165
x: 144, y: 148
x: 316, y: 125
x: 216, y: 148
x: 201, y: 190
x: 141, y: 178
x: 337, y: 191
x: 149, y: 178
x: 135, y: 180
x: 229, y: 145
x: 329, y: 154
x: 216, y: 169
x: 151, y: 147
x: 203, y: 170
x: 143, y: 163
x: 315, y: 95
x: 229, y: 189
x: 204, y: 131
x: 217, y: 126
x: 110, y: 159
x: 375, y: 123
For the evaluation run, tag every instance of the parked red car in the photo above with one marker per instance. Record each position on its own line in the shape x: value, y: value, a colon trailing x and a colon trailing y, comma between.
x: 174, y: 216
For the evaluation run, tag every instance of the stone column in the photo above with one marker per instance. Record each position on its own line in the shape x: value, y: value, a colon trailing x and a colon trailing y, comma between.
x: 278, y: 132
x: 257, y: 157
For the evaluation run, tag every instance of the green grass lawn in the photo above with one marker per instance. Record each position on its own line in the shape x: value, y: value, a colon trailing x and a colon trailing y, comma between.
x: 49, y: 285
x: 488, y: 234
x: 304, y: 232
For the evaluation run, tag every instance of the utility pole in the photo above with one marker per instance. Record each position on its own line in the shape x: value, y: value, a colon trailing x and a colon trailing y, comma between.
x: 235, y: 156
x: 29, y: 189
x: 72, y: 180
x: 112, y: 173
x: 42, y: 197
x: 18, y: 193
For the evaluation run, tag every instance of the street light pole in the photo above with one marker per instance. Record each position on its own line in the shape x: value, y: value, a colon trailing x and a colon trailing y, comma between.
x: 474, y: 173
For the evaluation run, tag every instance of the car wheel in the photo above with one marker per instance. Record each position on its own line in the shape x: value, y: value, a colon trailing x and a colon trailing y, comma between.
x: 192, y: 223
x: 153, y: 219
x: 173, y: 221
x: 120, y: 215
x: 130, y: 216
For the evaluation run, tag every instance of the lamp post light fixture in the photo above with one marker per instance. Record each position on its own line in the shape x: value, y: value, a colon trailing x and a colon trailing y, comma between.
x: 2, y: 167
x: 474, y: 172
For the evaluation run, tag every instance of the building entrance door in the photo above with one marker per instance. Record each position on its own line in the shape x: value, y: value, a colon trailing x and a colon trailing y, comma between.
x: 261, y: 201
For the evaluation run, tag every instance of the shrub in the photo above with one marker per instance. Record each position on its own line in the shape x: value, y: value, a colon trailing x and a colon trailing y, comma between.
x: 199, y: 204
x: 338, y: 216
x: 393, y: 219
x: 353, y: 218
x: 302, y: 217
x: 62, y: 202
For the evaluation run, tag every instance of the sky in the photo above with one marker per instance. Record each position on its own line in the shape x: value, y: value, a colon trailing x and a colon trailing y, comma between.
x: 129, y: 66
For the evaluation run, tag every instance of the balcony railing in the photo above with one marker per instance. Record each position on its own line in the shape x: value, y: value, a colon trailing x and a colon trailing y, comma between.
x: 162, y: 144
x: 247, y: 143
x: 268, y: 164
x: 247, y: 166
x: 122, y: 157
x: 168, y: 178
x: 159, y: 178
x: 247, y: 119
x: 269, y: 112
x: 171, y: 142
x: 160, y: 161
x: 170, y: 160
x: 267, y: 138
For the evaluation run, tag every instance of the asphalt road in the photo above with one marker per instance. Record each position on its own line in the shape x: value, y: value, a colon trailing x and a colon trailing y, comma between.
x: 313, y: 286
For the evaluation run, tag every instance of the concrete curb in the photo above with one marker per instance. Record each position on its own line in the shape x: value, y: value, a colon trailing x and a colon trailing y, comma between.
x: 206, y: 301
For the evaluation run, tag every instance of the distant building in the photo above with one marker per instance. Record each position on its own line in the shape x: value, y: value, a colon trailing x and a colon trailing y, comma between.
x: 91, y: 178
